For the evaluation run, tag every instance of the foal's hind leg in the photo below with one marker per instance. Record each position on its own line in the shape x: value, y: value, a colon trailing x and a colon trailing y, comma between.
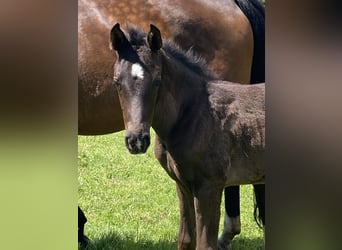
x: 232, y: 224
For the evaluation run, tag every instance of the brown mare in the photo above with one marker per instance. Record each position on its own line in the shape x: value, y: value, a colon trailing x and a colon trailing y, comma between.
x: 235, y: 51
x: 210, y: 133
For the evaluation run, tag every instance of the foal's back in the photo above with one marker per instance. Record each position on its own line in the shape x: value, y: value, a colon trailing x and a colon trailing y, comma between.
x: 239, y: 111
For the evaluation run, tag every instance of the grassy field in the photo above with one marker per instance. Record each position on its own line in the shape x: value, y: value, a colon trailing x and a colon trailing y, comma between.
x: 131, y: 203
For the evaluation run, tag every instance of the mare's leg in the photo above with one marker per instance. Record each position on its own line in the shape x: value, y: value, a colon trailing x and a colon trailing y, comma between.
x: 187, y: 226
x: 207, y: 200
x: 232, y: 224
x: 82, y: 239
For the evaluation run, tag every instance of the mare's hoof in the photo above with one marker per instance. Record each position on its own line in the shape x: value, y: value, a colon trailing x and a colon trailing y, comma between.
x: 223, y: 245
x: 83, y: 241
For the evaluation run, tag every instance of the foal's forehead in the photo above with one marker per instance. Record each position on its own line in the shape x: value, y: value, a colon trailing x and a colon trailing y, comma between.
x: 144, y: 58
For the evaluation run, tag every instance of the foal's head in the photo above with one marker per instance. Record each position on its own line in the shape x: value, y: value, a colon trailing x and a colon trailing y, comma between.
x: 137, y: 75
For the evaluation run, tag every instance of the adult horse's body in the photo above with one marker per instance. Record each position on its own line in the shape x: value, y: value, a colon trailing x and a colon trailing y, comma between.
x: 218, y: 31
x: 210, y: 133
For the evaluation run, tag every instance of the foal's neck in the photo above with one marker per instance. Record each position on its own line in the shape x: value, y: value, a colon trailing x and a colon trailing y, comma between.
x: 181, y: 93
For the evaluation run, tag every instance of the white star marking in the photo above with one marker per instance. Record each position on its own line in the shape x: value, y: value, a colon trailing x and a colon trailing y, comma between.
x: 137, y: 71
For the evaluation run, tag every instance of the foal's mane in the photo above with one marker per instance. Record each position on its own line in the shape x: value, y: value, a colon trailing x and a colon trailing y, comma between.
x: 189, y: 59
x: 197, y: 64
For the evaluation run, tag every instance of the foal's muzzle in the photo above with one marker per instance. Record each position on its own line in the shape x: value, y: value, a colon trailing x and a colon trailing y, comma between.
x: 137, y: 143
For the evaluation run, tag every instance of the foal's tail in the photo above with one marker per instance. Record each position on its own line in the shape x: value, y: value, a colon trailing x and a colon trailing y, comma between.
x: 255, y: 12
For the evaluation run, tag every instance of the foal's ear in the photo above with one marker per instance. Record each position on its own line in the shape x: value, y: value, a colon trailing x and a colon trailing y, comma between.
x: 118, y: 39
x: 154, y: 38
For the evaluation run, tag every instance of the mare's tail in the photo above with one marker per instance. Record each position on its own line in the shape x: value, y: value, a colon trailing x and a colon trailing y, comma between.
x: 255, y: 12
x: 259, y: 204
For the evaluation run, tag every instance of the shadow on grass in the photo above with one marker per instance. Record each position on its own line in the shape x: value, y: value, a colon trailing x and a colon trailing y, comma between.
x: 241, y: 243
x: 115, y: 242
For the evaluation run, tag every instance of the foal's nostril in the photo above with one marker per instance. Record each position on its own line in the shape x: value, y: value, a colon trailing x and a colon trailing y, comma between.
x: 137, y: 143
x: 130, y: 140
x: 145, y: 138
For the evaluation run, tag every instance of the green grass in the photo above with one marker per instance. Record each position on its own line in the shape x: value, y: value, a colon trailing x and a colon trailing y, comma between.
x: 131, y: 202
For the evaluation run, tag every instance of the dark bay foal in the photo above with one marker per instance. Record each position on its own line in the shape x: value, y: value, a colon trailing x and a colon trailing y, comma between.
x: 210, y: 133
x: 235, y: 51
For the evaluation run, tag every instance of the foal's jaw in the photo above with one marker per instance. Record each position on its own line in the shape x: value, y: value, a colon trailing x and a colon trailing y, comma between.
x: 137, y: 143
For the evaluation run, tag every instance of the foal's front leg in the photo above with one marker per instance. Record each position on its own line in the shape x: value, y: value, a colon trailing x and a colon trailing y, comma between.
x: 186, y: 234
x: 207, y: 202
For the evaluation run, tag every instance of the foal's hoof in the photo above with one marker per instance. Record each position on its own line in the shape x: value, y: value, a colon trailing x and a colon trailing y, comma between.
x: 223, y: 245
